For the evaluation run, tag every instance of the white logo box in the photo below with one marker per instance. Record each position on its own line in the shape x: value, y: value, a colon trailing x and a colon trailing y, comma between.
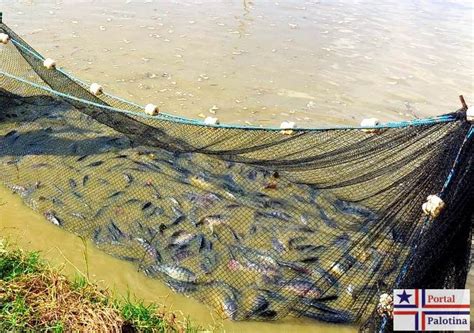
x: 431, y: 309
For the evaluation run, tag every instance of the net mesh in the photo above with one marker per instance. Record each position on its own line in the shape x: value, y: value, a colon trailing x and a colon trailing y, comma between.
x: 257, y: 223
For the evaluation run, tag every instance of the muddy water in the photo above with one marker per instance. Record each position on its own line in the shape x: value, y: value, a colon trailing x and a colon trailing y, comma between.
x: 313, y: 62
x: 30, y: 231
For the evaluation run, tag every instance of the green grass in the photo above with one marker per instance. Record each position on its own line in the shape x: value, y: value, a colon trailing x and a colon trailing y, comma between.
x: 14, y: 314
x: 36, y: 297
x: 16, y: 263
x: 141, y: 316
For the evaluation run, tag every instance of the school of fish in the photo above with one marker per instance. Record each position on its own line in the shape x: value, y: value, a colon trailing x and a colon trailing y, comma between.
x: 242, y: 238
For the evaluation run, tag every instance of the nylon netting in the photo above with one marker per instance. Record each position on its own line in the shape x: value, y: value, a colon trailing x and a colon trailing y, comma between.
x: 254, y: 222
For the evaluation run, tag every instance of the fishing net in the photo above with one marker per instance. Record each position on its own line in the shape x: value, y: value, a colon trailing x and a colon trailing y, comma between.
x: 257, y: 222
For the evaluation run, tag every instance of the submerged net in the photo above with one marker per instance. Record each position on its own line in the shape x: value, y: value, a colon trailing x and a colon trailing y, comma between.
x: 257, y: 223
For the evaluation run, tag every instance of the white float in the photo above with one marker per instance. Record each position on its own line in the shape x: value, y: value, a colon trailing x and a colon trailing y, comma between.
x: 96, y: 89
x: 151, y: 110
x: 49, y: 63
x: 4, y: 38
x: 287, y: 127
x: 385, y: 306
x: 433, y: 206
x: 211, y: 121
x: 470, y: 115
x: 369, y: 122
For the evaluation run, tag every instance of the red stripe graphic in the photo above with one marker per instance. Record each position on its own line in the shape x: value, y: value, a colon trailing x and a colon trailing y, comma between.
x: 446, y: 306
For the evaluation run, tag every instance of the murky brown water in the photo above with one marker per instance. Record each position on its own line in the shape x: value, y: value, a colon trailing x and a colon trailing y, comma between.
x: 313, y: 62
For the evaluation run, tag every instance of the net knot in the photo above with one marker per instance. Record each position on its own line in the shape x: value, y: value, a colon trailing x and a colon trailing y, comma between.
x: 385, y: 306
x: 4, y: 38
x: 433, y: 206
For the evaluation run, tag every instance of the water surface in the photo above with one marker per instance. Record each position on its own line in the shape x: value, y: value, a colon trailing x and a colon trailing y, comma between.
x: 312, y: 62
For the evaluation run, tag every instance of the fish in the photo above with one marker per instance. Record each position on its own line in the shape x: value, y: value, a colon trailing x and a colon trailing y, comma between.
x: 21, y: 190
x: 178, y: 220
x: 252, y: 174
x: 77, y: 194
x: 100, y: 212
x: 72, y: 183
x: 147, y: 205
x: 320, y: 311
x: 96, y: 235
x: 204, y: 243
x: 57, y: 201
x: 295, y: 267
x: 301, y: 287
x: 11, y: 137
x: 278, y: 245
x: 292, y: 242
x: 180, y: 253
x: 115, y: 194
x: 85, y: 180
x: 149, y: 249
x: 132, y: 201
x: 73, y: 147
x: 78, y: 215
x: 40, y: 165
x: 254, y: 260
x: 53, y: 218
x: 181, y: 286
x: 309, y: 248
x: 115, y: 232
x: 274, y: 214
x: 209, y: 262
x: 348, y: 208
x: 146, y: 166
x: 329, y: 222
x: 181, y: 237
x: 95, y: 164
x: 212, y: 221
x: 230, y: 185
x: 104, y: 181
x: 177, y: 273
x: 128, y: 178
x: 203, y: 200
x: 260, y: 308
x: 229, y: 307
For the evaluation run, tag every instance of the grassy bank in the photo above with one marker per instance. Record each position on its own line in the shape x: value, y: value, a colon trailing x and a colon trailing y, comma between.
x: 37, y: 297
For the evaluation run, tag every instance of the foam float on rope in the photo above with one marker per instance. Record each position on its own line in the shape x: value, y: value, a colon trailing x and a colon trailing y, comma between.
x: 49, y: 63
x: 211, y: 121
x: 470, y: 115
x: 433, y: 206
x: 4, y: 38
x: 96, y: 89
x: 151, y: 110
x: 369, y: 122
x: 287, y: 127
